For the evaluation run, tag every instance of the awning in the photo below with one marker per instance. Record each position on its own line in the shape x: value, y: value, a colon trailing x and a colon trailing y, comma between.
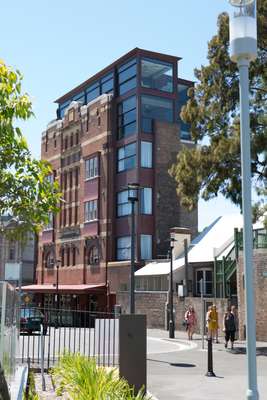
x: 68, y: 289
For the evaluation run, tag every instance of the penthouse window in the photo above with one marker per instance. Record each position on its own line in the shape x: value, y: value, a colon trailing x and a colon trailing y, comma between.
x: 104, y: 85
x: 127, y: 117
x: 127, y: 77
x: 90, y: 210
x: 62, y: 108
x: 155, y: 108
x: 91, y: 168
x: 182, y: 89
x: 157, y: 74
x: 126, y: 157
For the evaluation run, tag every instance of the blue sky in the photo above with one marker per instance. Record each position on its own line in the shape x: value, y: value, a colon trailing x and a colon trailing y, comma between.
x: 58, y: 44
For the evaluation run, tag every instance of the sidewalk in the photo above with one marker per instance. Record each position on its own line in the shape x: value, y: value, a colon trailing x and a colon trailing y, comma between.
x: 181, y: 375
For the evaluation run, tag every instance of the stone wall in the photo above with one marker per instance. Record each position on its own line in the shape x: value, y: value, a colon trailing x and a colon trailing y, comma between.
x: 260, y: 285
x: 153, y: 304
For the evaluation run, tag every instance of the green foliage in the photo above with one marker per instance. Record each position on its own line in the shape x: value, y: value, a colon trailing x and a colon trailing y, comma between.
x: 25, y: 191
x: 32, y: 395
x: 213, y: 113
x: 83, y: 380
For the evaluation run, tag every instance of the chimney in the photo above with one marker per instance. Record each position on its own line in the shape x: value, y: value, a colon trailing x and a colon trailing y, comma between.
x: 179, y: 234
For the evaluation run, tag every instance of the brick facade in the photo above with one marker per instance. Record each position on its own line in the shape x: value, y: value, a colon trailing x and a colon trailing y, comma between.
x: 260, y: 290
x: 103, y: 118
x: 154, y: 304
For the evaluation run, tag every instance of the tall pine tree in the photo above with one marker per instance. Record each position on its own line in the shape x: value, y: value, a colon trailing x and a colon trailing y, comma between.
x: 213, y: 113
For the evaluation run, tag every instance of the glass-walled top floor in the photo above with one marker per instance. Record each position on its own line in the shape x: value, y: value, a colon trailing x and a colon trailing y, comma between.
x: 145, y: 72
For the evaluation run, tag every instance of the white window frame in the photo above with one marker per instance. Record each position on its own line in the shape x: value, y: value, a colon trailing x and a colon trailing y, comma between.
x: 91, y: 168
x: 91, y: 210
x: 197, y: 283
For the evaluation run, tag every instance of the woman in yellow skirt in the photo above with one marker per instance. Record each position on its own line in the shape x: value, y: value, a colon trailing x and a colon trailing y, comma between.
x: 212, y: 322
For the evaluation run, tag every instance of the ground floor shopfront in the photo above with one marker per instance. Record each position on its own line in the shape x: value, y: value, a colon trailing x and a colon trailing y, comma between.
x: 92, y: 298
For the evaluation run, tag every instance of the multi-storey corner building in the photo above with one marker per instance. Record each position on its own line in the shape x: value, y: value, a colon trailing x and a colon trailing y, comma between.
x: 118, y: 127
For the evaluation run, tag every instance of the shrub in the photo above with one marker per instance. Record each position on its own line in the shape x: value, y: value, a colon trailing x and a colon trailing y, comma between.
x: 82, y: 379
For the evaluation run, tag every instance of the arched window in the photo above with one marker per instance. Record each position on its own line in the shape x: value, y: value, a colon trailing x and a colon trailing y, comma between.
x: 93, y: 256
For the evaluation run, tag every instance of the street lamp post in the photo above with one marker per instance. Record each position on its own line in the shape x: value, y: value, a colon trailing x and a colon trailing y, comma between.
x: 133, y: 189
x: 171, y: 319
x: 243, y: 44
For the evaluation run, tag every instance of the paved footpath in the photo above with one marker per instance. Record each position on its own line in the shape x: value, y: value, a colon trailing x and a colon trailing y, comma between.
x: 180, y: 375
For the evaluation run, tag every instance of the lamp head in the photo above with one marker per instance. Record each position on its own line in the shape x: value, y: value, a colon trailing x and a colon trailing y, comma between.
x: 243, y: 30
x: 240, y: 3
x: 133, y: 191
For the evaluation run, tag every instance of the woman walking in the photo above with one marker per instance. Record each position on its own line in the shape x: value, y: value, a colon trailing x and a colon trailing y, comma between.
x: 191, y: 321
x: 212, y: 323
x: 229, y: 327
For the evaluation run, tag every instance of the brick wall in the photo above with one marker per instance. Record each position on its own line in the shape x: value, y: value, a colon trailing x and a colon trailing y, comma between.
x: 153, y: 304
x: 169, y: 211
x: 260, y: 285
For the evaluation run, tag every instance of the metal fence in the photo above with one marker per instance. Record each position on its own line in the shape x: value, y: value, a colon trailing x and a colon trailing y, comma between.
x: 92, y: 334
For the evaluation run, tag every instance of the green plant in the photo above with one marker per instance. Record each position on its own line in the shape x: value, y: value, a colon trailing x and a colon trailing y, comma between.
x: 32, y: 395
x: 83, y: 380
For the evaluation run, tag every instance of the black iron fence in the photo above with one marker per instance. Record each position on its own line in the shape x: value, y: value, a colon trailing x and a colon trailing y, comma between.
x: 45, y: 334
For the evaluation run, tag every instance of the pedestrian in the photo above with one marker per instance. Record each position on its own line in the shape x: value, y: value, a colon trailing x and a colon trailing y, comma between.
x: 191, y: 321
x: 229, y: 327
x: 212, y: 323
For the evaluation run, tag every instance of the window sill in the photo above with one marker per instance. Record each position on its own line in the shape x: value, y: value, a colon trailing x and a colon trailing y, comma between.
x: 92, y: 220
x: 92, y: 178
x: 47, y: 229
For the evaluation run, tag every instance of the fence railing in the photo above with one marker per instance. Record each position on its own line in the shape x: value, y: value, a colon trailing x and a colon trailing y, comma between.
x: 92, y: 334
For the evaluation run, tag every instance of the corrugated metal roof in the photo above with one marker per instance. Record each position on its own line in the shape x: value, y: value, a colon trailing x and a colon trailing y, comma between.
x: 218, y: 235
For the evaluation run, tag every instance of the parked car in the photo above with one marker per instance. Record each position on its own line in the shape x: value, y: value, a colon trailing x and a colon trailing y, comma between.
x: 32, y: 320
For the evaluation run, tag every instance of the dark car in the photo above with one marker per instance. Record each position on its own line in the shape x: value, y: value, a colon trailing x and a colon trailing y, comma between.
x: 32, y: 320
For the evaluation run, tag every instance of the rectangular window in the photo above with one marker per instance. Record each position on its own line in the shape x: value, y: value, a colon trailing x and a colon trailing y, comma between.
x: 91, y: 168
x: 157, y: 74
x: 155, y: 108
x: 124, y: 248
x: 182, y: 89
x: 146, y: 201
x: 107, y: 83
x: 126, y: 157
x: 127, y: 117
x: 92, y: 92
x: 146, y: 247
x: 123, y: 205
x: 207, y: 277
x: 90, y: 210
x: 79, y: 97
x: 146, y: 154
x: 12, y: 251
x: 70, y: 215
x: 49, y: 225
x: 127, y: 77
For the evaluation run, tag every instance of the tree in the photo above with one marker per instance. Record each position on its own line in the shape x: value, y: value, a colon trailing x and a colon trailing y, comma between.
x: 26, y: 193
x: 212, y: 111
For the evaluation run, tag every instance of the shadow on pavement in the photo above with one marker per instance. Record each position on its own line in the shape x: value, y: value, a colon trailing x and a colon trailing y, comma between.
x: 260, y: 351
x: 181, y: 365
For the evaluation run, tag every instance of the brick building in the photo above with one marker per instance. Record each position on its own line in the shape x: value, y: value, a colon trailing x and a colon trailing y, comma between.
x: 120, y: 126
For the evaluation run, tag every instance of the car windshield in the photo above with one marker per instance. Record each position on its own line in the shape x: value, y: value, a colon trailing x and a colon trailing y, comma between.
x: 30, y: 313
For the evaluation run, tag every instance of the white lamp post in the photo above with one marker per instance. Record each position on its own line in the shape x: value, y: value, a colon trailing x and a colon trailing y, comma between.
x: 243, y: 44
